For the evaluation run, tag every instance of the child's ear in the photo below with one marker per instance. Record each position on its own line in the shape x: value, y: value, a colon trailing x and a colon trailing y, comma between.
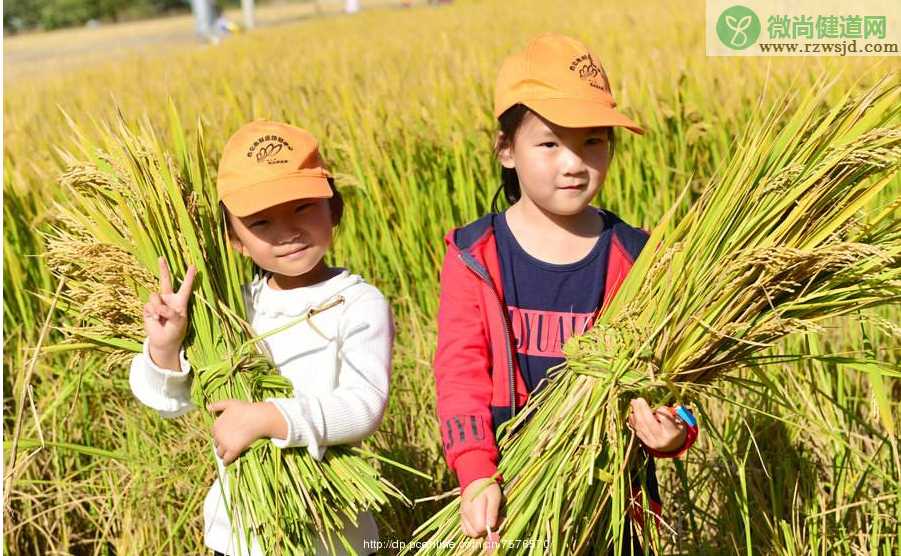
x: 233, y: 238
x: 504, y: 150
x: 238, y: 245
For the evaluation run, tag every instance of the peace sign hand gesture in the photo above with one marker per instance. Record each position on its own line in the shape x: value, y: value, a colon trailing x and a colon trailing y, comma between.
x: 166, y: 317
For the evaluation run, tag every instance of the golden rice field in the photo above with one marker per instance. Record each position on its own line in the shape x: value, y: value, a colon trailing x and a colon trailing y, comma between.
x: 799, y: 460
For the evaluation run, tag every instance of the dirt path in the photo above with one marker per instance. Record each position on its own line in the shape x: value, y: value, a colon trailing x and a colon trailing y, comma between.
x: 37, y: 54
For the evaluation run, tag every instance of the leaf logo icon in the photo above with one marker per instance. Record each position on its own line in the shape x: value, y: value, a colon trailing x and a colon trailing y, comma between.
x: 738, y: 27
x: 740, y: 37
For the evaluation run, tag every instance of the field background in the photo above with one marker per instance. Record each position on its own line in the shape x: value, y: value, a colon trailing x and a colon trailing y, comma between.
x: 791, y: 460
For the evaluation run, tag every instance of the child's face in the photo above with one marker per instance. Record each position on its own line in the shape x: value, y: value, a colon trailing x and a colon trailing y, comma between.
x: 560, y: 169
x: 288, y: 239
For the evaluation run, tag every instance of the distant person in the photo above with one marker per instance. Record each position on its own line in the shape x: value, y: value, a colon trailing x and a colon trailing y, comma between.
x: 225, y: 26
x: 207, y: 15
x: 202, y: 18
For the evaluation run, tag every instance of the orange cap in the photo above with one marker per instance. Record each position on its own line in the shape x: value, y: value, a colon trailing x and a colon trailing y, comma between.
x: 268, y: 163
x: 558, y: 78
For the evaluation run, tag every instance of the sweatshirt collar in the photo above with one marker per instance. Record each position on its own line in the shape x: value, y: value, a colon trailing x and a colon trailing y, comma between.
x: 264, y: 300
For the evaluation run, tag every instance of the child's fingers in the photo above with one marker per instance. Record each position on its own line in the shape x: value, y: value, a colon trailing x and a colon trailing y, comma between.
x: 465, y: 526
x: 165, y: 277
x: 478, y: 523
x: 185, y: 289
x: 648, y: 432
x: 642, y: 409
x: 491, y: 516
x: 633, y: 423
x: 493, y: 539
x: 644, y: 417
x: 637, y: 428
x: 154, y: 306
x: 473, y: 518
x: 166, y: 312
x: 642, y: 432
x: 667, y: 419
x: 157, y: 302
x: 219, y: 406
x: 149, y: 310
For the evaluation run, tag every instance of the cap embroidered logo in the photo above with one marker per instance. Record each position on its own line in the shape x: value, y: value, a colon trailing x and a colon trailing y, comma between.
x: 268, y: 151
x: 267, y: 147
x: 591, y: 72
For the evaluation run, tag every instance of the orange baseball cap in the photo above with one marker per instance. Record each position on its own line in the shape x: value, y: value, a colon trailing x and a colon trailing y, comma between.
x: 268, y: 163
x: 558, y: 78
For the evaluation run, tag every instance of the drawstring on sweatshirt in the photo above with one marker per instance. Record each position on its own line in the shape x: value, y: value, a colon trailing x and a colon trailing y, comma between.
x: 319, y: 309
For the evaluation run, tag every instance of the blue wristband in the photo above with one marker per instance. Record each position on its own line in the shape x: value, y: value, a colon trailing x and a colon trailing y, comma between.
x: 686, y: 415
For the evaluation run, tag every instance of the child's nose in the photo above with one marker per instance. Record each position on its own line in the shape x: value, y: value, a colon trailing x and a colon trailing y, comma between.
x: 572, y: 161
x: 291, y: 232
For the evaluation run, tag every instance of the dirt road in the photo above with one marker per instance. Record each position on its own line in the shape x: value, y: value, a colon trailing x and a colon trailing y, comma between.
x: 39, y: 54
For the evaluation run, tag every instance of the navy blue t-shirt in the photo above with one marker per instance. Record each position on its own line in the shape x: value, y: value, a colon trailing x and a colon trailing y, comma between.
x: 547, y: 302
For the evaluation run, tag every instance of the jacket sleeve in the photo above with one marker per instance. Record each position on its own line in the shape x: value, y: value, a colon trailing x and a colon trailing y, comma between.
x: 354, y: 409
x: 462, y: 379
x: 167, y: 391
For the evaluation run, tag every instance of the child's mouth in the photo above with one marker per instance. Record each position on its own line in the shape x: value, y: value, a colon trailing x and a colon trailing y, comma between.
x: 295, y: 254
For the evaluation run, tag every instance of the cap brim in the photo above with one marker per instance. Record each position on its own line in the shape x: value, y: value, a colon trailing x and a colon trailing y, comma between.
x: 568, y: 112
x: 261, y: 196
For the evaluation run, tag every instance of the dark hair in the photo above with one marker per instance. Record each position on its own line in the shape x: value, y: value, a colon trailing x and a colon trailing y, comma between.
x: 510, y: 121
x: 335, y: 203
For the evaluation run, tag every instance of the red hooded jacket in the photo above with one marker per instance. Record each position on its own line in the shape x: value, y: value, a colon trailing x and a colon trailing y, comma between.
x: 476, y: 370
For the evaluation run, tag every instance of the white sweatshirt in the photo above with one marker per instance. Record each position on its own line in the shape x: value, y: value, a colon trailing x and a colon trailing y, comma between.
x: 339, y: 364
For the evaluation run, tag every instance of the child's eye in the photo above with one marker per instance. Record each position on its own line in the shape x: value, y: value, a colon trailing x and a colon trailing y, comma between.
x: 301, y: 207
x: 258, y: 223
x: 595, y: 140
x: 548, y: 144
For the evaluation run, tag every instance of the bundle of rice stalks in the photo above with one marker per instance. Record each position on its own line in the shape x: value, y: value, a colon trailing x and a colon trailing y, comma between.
x: 130, y: 203
x: 775, y: 245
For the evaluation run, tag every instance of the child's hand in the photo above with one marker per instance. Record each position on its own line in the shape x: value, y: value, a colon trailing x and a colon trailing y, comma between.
x: 241, y: 423
x: 480, y: 511
x: 657, y: 429
x: 166, y: 317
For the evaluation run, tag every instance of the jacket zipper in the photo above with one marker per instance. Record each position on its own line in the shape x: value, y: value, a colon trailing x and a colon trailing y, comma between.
x: 474, y: 266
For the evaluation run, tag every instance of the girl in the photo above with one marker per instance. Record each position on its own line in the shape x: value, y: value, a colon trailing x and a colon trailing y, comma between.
x: 516, y: 285
x: 280, y: 206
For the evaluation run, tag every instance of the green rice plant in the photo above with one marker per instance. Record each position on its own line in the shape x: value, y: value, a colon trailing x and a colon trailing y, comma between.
x: 821, y: 476
x: 776, y: 246
x: 24, y: 273
x: 130, y: 203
